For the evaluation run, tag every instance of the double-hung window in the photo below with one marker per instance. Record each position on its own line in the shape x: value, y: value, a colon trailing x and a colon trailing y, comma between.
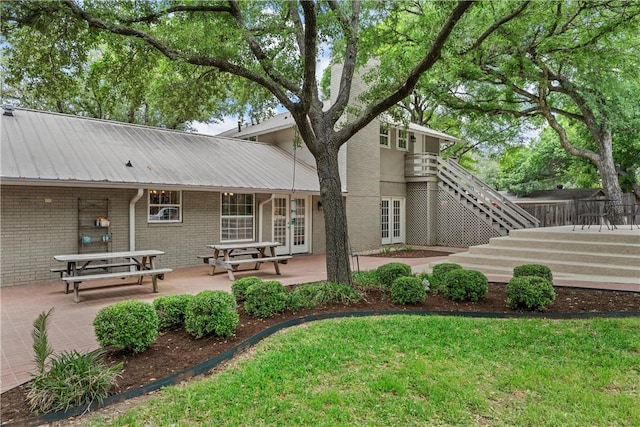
x: 165, y: 206
x: 237, y: 217
x: 384, y: 135
x: 403, y: 135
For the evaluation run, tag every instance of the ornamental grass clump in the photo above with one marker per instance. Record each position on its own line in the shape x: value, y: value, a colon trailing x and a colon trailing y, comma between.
x: 465, y: 285
x: 127, y: 325
x: 530, y: 293
x: 265, y: 299
x: 366, y: 279
x: 537, y: 270
x: 73, y: 379
x: 171, y: 310
x: 439, y: 272
x: 387, y: 273
x: 240, y: 286
x: 408, y: 290
x: 313, y: 294
x: 211, y: 313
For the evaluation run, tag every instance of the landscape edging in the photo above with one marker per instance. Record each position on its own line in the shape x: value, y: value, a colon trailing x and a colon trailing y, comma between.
x: 209, y: 364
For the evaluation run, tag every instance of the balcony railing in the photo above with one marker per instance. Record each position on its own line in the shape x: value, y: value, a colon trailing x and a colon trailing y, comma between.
x: 420, y: 167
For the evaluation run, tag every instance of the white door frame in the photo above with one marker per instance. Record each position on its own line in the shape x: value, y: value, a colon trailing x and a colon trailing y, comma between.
x: 292, y: 217
x: 392, y: 220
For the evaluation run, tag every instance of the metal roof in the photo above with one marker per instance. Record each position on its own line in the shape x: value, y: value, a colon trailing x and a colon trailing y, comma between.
x: 48, y: 148
x: 285, y: 120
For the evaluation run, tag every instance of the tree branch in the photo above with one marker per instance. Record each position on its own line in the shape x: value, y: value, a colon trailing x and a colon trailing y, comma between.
x: 172, y: 54
x: 427, y: 62
x: 181, y: 8
x: 495, y: 26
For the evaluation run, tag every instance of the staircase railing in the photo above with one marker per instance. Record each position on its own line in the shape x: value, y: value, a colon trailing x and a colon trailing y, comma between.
x: 495, y: 206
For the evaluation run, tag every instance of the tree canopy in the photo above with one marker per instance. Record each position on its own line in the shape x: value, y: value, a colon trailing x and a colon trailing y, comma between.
x: 201, y: 56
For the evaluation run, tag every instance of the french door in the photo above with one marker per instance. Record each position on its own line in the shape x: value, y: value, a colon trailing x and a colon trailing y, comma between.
x: 392, y: 220
x: 291, y: 224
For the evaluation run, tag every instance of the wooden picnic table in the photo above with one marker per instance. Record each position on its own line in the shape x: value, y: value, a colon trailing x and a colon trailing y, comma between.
x: 259, y: 252
x: 99, y: 265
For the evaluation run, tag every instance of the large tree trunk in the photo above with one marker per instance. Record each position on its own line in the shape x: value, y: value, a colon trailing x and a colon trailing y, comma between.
x: 335, y: 217
x: 607, y: 168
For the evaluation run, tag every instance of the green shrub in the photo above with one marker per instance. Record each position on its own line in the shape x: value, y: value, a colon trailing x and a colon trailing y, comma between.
x: 73, y: 379
x: 439, y: 272
x: 211, y: 312
x: 387, y: 273
x: 170, y: 310
x: 265, y: 299
x: 530, y: 293
x: 127, y: 325
x: 537, y: 270
x: 312, y: 294
x: 407, y: 290
x: 465, y: 285
x: 240, y: 286
x: 365, y: 279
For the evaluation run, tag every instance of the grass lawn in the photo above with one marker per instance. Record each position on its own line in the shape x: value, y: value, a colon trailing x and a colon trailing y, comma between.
x: 423, y: 371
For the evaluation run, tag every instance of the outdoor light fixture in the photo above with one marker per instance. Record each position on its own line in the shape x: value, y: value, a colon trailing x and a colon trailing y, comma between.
x: 319, y: 205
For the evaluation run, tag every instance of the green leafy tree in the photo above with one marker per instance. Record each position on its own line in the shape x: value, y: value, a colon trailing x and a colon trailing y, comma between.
x: 275, y: 47
x: 574, y: 64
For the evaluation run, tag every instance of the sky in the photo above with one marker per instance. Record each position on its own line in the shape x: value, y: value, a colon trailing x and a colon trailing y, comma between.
x: 232, y: 121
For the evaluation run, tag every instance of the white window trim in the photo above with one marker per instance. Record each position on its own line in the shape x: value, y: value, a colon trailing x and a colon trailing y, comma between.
x: 406, y: 140
x: 253, y: 219
x: 384, y: 126
x: 164, y: 205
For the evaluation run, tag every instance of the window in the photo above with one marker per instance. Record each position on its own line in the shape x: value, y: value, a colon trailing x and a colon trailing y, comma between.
x: 237, y: 217
x: 402, y: 139
x: 165, y: 206
x: 384, y: 135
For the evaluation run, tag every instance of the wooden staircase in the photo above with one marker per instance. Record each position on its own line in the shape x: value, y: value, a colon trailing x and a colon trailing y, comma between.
x: 485, y: 202
x: 582, y: 255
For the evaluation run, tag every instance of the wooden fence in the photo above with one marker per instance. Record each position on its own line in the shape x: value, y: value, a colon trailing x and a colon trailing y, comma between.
x: 552, y: 213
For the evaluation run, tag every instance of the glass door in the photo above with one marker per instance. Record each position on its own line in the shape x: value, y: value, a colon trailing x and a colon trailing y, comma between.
x: 392, y: 221
x: 291, y: 224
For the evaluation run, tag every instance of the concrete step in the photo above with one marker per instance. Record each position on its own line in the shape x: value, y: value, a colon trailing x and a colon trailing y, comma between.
x: 504, y: 274
x: 566, y: 245
x: 620, y: 235
x: 543, y: 254
x: 487, y: 261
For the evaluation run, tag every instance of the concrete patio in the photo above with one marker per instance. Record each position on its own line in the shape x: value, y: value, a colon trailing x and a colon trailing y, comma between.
x: 71, y: 323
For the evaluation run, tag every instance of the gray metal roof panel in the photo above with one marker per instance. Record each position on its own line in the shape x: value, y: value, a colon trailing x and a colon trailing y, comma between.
x: 41, y: 146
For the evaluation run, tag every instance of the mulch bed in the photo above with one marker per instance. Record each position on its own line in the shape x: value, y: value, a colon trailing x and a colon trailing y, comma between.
x: 177, y: 350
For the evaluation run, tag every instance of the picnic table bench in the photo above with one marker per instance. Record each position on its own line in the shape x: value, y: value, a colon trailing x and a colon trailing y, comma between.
x: 230, y: 252
x: 142, y: 263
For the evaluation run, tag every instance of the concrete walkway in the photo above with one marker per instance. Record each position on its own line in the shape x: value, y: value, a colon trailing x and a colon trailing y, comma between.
x: 71, y: 324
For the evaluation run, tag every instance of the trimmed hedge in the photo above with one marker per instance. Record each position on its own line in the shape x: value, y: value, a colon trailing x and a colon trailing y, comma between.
x: 211, y: 312
x: 439, y: 272
x: 240, y: 286
x: 408, y: 290
x: 387, y: 273
x: 265, y: 299
x: 465, y: 285
x: 530, y: 293
x: 537, y: 270
x: 127, y: 325
x: 171, y: 310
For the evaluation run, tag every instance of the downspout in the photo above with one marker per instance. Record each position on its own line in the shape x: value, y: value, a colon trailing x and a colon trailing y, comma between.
x: 260, y: 206
x: 132, y: 219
